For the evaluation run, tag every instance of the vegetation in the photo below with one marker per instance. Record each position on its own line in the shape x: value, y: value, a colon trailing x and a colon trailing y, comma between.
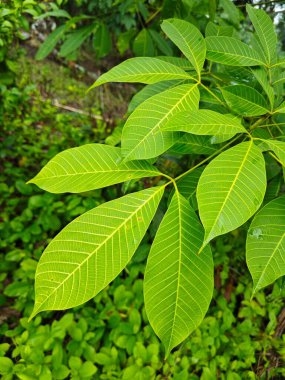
x: 221, y: 103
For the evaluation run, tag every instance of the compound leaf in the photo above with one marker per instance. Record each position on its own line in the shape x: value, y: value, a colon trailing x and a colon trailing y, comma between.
x: 231, y: 189
x: 188, y: 39
x: 142, y: 135
x: 245, y: 100
x: 178, y: 283
x: 89, y: 167
x: 231, y: 51
x: 142, y: 70
x: 278, y: 147
x: 204, y: 122
x: 265, y: 244
x: 92, y: 250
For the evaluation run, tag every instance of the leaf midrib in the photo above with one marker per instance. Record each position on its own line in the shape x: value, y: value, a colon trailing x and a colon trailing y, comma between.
x: 99, y: 247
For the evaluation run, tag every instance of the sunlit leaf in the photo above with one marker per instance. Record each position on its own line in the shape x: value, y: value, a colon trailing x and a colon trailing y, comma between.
x: 231, y: 189
x: 189, y: 40
x: 178, y: 283
x: 92, y: 250
x: 142, y: 135
x: 266, y: 244
x: 89, y: 167
x: 142, y: 70
x: 231, y: 51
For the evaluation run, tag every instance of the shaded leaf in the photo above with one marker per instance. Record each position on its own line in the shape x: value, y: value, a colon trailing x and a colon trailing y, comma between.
x: 245, y: 100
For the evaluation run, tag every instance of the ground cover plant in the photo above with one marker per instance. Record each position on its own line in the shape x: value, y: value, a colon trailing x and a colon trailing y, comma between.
x: 223, y: 100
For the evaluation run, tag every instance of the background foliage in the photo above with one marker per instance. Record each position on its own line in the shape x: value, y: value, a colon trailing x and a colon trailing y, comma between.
x: 110, y: 336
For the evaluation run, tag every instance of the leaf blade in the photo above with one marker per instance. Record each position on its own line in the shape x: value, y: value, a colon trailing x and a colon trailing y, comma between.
x: 176, y: 298
x: 142, y: 136
x: 146, y: 70
x: 265, y: 244
x: 89, y: 167
x: 87, y: 245
x: 228, y: 195
x: 188, y: 39
x: 230, y: 51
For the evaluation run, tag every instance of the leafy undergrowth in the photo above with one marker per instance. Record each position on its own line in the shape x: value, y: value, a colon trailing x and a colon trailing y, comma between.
x: 110, y: 338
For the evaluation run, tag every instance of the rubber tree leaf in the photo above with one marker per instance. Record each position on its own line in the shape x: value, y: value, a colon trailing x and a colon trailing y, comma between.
x: 261, y: 76
x: 183, y: 63
x: 265, y: 32
x: 50, y: 42
x: 245, y: 100
x: 231, y: 189
x: 75, y: 39
x: 143, y: 44
x: 102, y: 41
x: 265, y: 244
x: 142, y: 70
x: 204, y: 122
x: 231, y: 51
x: 188, y: 39
x: 149, y: 90
x: 194, y: 144
x: 92, y: 250
x: 217, y: 30
x: 89, y: 167
x: 178, y: 283
x: 161, y: 43
x: 280, y: 79
x: 281, y: 108
x: 142, y: 135
x: 233, y: 13
x: 278, y: 147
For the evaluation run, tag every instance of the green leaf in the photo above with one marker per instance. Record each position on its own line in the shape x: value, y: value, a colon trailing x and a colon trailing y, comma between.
x: 245, y: 100
x: 143, y: 44
x: 188, y: 39
x: 178, y: 283
x: 280, y: 79
x: 75, y: 39
x: 183, y: 63
x: 231, y: 189
x: 89, y: 167
x: 231, y: 11
x: 217, y: 30
x: 265, y: 32
x: 50, y: 42
x: 149, y: 90
x: 143, y: 70
x: 204, y: 122
x: 92, y: 250
x: 266, y: 243
x: 278, y: 147
x: 6, y: 366
x: 281, y: 108
x: 142, y: 136
x: 231, y: 51
x: 188, y: 183
x: 261, y: 76
x: 194, y: 144
x: 160, y: 42
x: 102, y: 41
